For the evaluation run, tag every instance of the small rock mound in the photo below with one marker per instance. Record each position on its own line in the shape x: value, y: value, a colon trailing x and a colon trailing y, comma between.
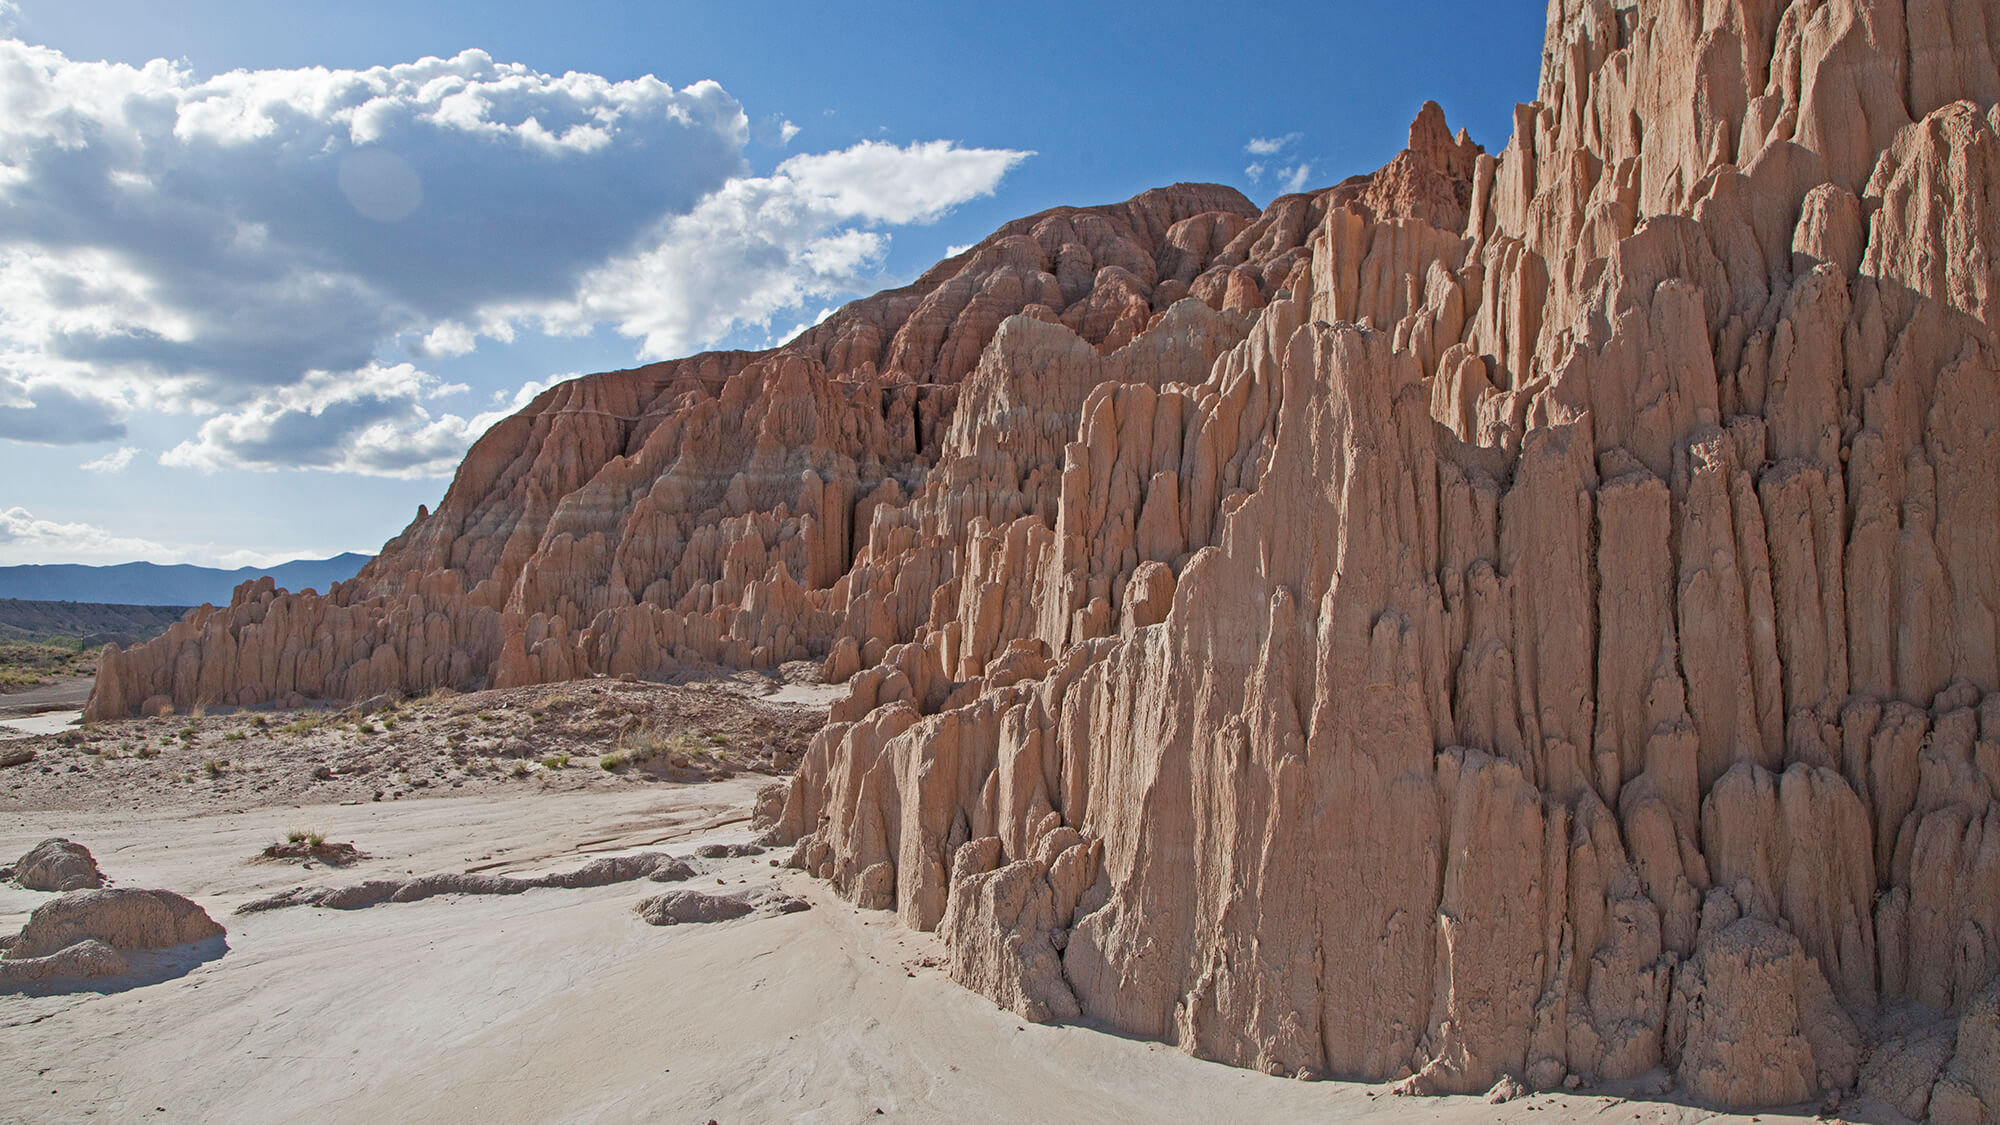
x: 57, y: 864
x: 1506, y: 1090
x: 333, y: 855
x: 88, y: 958
x: 123, y: 918
x: 86, y: 933
x: 676, y: 907
x: 728, y: 851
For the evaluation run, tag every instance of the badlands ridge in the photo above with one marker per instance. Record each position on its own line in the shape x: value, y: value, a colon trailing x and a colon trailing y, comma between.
x: 1531, y: 614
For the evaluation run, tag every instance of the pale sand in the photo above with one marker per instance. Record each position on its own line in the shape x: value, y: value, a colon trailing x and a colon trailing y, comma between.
x: 48, y: 722
x: 560, y: 1005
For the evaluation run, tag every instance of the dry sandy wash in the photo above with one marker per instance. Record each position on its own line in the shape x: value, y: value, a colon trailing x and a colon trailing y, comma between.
x: 563, y: 1005
x: 1526, y: 615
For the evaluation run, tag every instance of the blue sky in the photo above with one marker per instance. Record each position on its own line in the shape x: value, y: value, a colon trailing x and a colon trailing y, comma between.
x: 258, y: 315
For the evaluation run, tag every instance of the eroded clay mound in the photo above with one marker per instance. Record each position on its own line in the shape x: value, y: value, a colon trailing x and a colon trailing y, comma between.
x: 85, y: 959
x: 711, y: 510
x: 657, y: 867
x: 56, y: 864
x: 680, y: 907
x: 125, y: 919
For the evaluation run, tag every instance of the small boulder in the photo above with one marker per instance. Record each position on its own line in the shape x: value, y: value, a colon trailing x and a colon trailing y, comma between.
x: 675, y: 907
x: 1506, y: 1090
x: 57, y: 864
x: 87, y: 958
x: 123, y: 918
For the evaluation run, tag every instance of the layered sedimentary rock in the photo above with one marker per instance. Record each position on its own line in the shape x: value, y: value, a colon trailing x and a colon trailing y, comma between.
x: 711, y: 510
x: 1532, y: 614
x: 1559, y: 640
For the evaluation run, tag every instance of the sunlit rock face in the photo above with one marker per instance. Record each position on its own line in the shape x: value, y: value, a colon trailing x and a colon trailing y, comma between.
x: 1531, y: 614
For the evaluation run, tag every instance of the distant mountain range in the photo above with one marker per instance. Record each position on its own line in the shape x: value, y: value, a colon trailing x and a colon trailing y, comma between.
x: 151, y: 584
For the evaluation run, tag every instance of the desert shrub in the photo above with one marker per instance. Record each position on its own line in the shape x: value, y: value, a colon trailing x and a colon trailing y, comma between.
x: 214, y: 767
x: 556, y: 762
x: 233, y: 736
x: 520, y: 770
x: 311, y: 838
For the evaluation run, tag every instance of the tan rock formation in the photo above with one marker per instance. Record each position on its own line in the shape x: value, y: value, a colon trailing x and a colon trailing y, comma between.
x: 1529, y: 615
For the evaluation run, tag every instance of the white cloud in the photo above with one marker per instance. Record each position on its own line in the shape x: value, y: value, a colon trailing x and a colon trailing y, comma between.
x: 258, y: 247
x: 763, y: 245
x: 1294, y: 178
x: 449, y: 339
x: 1269, y: 146
x: 26, y: 540
x: 188, y: 243
x: 112, y: 462
x: 47, y: 412
x: 1255, y: 171
x: 372, y: 422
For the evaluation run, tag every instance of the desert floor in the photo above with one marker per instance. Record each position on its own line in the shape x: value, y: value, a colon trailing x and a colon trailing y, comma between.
x: 562, y: 1005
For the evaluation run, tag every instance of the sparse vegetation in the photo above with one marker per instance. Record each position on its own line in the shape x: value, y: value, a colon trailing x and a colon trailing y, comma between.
x: 364, y: 728
x: 520, y: 769
x: 309, y: 837
x: 233, y: 736
x: 556, y: 762
x: 214, y: 767
x: 32, y: 664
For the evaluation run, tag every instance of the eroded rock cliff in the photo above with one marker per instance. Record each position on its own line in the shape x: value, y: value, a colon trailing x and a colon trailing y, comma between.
x: 1530, y: 614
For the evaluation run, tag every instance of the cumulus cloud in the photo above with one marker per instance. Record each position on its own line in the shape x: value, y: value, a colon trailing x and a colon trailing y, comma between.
x: 112, y: 462
x: 1291, y: 173
x: 765, y: 244
x: 203, y: 240
x: 46, y: 412
x: 26, y: 540
x: 1269, y: 146
x: 373, y: 422
x: 257, y: 246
